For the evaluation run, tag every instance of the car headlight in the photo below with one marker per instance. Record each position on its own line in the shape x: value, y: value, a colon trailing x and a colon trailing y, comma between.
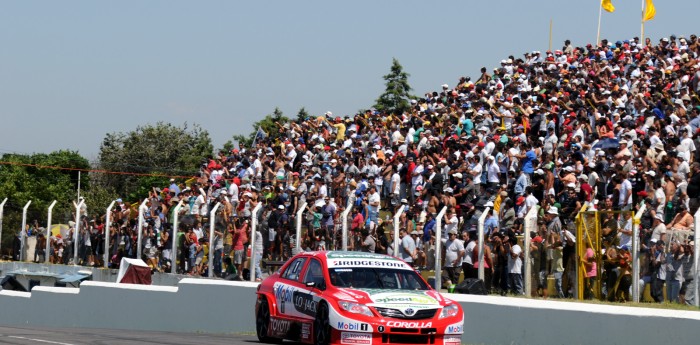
x: 355, y: 308
x: 449, y: 311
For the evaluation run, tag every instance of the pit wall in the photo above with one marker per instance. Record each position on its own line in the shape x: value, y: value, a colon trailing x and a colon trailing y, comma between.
x: 214, y: 306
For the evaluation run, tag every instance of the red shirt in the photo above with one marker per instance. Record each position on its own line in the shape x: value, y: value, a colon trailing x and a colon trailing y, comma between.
x: 357, y: 222
x: 587, y: 190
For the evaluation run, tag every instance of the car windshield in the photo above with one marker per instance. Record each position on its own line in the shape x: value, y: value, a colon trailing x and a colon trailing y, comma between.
x: 376, y: 278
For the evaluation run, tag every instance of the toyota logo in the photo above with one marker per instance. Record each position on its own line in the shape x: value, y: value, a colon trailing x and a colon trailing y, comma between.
x: 409, y: 311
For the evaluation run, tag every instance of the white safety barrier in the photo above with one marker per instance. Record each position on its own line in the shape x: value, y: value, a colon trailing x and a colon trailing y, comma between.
x: 253, y: 233
x: 212, y: 226
x: 397, y: 216
x: 344, y: 224
x: 24, y: 231
x: 76, y: 231
x: 48, y: 232
x: 176, y: 228
x: 635, y: 251
x: 696, y: 258
x: 438, y: 248
x: 480, y: 229
x: 139, y: 248
x: 108, y: 226
x: 2, y: 214
x: 530, y: 225
x: 300, y: 213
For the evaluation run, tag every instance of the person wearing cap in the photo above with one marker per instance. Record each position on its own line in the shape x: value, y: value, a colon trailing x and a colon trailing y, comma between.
x: 658, y: 232
x: 454, y: 251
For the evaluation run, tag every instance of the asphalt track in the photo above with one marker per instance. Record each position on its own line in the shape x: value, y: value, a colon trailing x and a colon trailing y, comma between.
x: 78, y: 336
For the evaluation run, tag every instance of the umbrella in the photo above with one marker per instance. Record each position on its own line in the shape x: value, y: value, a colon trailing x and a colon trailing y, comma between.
x: 607, y: 143
x: 61, y: 229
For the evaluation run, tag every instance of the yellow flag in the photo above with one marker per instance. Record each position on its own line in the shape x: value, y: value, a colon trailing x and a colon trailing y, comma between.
x: 649, y: 11
x: 608, y: 6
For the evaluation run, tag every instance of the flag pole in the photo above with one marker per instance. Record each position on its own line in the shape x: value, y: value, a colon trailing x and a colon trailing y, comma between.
x: 600, y: 15
x: 642, y: 34
x: 550, y: 35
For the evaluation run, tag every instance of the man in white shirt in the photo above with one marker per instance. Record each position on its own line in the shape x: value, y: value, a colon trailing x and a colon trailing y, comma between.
x: 454, y: 252
x: 515, y: 266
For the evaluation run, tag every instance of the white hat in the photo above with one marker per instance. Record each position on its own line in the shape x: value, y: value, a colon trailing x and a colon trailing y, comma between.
x: 248, y: 194
x: 404, y: 201
x: 292, y: 188
x: 334, y: 160
x: 539, y: 172
x: 623, y: 142
x: 571, y: 185
x: 281, y: 207
x: 650, y: 173
x: 449, y: 190
x: 553, y: 210
x: 569, y: 168
x: 583, y: 177
x: 457, y: 175
x: 445, y: 86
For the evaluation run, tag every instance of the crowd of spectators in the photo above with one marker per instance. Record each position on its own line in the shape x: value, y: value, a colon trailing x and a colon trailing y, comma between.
x: 609, y: 126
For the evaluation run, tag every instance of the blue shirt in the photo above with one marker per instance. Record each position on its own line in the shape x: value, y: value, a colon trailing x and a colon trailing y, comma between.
x: 527, y: 162
x: 429, y: 226
x: 521, y: 184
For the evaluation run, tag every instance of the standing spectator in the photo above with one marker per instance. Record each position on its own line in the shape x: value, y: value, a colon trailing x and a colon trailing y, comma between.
x: 454, y: 251
x: 515, y: 266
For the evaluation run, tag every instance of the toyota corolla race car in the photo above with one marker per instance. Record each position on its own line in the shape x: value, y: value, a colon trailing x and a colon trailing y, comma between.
x: 353, y: 298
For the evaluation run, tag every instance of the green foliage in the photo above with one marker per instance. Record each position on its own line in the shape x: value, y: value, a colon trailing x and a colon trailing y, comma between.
x: 41, y: 185
x: 267, y: 124
x: 396, y: 98
x: 152, y: 149
x: 302, y: 115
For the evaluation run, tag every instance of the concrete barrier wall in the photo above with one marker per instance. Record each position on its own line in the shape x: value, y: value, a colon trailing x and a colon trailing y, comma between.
x: 215, y: 306
x: 195, y: 305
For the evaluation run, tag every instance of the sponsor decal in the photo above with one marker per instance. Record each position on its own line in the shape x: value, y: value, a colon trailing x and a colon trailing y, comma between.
x: 352, y: 326
x: 304, y: 303
x: 306, y: 331
x: 403, y: 298
x: 368, y: 263
x: 355, y: 338
x: 457, y: 328
x: 407, y: 324
x: 278, y: 326
x: 451, y: 339
x: 284, y: 293
x: 358, y: 255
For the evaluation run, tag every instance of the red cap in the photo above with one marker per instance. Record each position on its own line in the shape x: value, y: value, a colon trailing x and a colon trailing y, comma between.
x: 327, y: 148
x: 520, y: 201
x: 643, y: 194
x: 481, y: 144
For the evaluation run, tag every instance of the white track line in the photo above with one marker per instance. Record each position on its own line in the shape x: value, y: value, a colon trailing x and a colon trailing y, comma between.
x: 39, y: 340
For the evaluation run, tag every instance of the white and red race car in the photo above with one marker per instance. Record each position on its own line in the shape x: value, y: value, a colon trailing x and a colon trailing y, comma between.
x: 353, y: 298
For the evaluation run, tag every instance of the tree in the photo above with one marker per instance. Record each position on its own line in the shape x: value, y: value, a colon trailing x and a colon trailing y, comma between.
x: 40, y: 178
x: 396, y: 98
x: 302, y: 115
x: 267, y: 125
x: 152, y: 149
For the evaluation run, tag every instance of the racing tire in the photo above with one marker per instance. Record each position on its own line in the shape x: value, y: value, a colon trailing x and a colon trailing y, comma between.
x: 322, y: 327
x: 262, y: 323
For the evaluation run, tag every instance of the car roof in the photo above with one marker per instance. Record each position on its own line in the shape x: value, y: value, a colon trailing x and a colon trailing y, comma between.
x: 344, y: 256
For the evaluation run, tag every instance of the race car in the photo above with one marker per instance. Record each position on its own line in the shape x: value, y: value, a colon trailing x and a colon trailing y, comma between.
x: 353, y: 298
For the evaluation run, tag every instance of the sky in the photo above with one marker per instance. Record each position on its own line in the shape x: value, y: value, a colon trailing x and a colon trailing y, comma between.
x: 73, y: 71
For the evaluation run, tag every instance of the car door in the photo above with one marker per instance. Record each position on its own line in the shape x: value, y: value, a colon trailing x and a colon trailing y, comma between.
x: 287, y: 285
x: 314, y: 283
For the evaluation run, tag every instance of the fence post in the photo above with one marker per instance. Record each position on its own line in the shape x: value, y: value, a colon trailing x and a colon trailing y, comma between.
x: 344, y: 217
x: 530, y: 225
x: 299, y: 214
x: 176, y: 226
x: 2, y: 213
x: 480, y: 229
x: 140, y: 229
x: 695, y: 258
x: 108, y: 225
x: 396, y: 231
x: 23, y: 231
x: 76, y: 231
x: 48, y: 232
x: 212, y: 221
x: 635, y: 253
x: 253, y: 231
x: 438, y: 248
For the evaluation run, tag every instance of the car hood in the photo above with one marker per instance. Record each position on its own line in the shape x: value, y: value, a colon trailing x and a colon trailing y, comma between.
x: 384, y: 298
